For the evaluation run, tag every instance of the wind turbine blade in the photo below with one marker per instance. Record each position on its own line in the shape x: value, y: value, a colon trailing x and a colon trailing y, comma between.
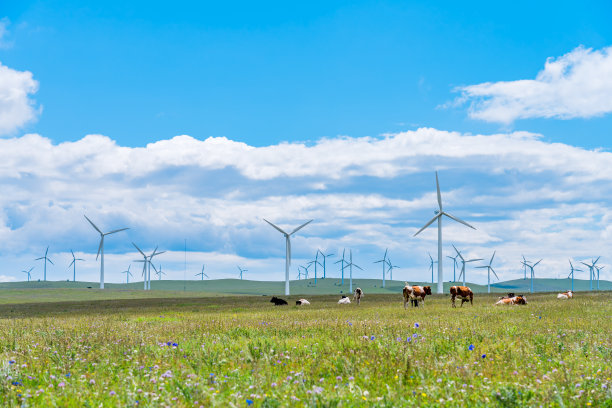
x: 279, y: 230
x: 438, y: 190
x: 100, y: 247
x: 50, y: 261
x: 386, y: 250
x: 136, y: 246
x: 491, y: 261
x: 300, y: 227
x: 37, y: 259
x: 119, y: 230
x: 493, y: 270
x: 428, y: 224
x: 481, y: 267
x: 458, y: 253
x: 72, y: 253
x: 157, y: 253
x: 473, y: 260
x: 153, y: 266
x: 537, y: 263
x: 457, y: 219
x: 357, y: 266
x: 71, y: 263
x: 47, y: 251
x: 93, y: 225
x: 596, y: 260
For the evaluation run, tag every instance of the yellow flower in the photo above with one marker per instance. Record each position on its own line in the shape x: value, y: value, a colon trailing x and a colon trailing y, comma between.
x: 396, y: 377
x: 364, y: 398
x: 423, y: 394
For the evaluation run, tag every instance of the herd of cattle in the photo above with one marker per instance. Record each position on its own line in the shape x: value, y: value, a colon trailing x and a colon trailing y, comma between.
x: 414, y: 294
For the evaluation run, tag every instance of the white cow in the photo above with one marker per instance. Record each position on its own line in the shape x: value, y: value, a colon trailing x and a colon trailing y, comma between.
x: 566, y: 295
x: 302, y: 302
x: 344, y: 301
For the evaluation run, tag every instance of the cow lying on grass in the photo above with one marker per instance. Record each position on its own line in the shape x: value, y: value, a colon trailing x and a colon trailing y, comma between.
x: 358, y: 295
x: 415, y: 293
x: 302, y: 302
x: 566, y: 295
x: 278, y: 301
x: 516, y: 300
x: 344, y: 301
x: 508, y: 296
x: 464, y: 293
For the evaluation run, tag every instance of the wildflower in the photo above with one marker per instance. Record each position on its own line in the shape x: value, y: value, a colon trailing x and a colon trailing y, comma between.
x: 249, y: 401
x: 416, y: 325
x: 423, y: 394
x: 317, y: 390
x: 372, y: 338
x: 92, y: 381
x: 471, y: 347
x: 483, y: 356
x: 62, y: 384
x: 11, y: 361
x: 339, y: 378
x: 351, y: 378
x: 112, y: 393
x: 273, y: 384
x: 415, y: 335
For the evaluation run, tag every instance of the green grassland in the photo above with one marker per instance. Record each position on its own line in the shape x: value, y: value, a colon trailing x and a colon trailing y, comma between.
x: 238, y: 351
x: 20, y: 292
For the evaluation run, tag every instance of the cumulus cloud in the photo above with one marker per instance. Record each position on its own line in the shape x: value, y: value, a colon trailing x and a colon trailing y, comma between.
x: 575, y: 85
x: 16, y: 107
x: 524, y: 196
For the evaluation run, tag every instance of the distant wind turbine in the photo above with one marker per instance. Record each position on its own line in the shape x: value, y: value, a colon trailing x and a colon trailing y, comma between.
x: 128, y: 274
x: 343, y: 264
x: 384, y: 264
x: 46, y: 260
x: 350, y: 265
x: 202, y: 274
x: 455, y: 264
x: 528, y: 265
x: 438, y: 217
x: 572, y: 272
x: 591, y: 271
x: 390, y: 268
x: 287, y: 250
x: 324, y: 259
x: 242, y: 271
x: 598, y: 268
x: 489, y: 270
x: 101, y: 248
x: 146, y: 270
x: 159, y: 273
x: 431, y: 266
x: 73, y: 264
x: 463, y: 262
x: 28, y: 272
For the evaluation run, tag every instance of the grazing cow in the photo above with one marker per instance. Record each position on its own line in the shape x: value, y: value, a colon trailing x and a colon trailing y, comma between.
x: 358, y: 295
x: 566, y: 295
x: 415, y: 293
x: 278, y: 301
x: 302, y: 302
x: 516, y: 300
x: 344, y: 301
x: 464, y: 293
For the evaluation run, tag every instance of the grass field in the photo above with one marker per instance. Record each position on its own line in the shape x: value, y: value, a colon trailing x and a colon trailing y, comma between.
x: 242, y: 351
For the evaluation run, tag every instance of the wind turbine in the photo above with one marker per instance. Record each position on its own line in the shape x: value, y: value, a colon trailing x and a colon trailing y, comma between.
x: 591, y: 271
x: 431, y: 266
x: 160, y: 272
x: 454, y: 258
x: 28, y: 272
x: 202, y: 274
x: 526, y: 263
x: 287, y: 250
x: 343, y: 264
x: 46, y: 259
x: 242, y: 271
x: 146, y: 270
x: 390, y: 267
x: 73, y: 264
x: 524, y: 268
x: 572, y: 272
x: 315, y: 262
x: 350, y: 265
x: 128, y: 274
x: 598, y: 268
x: 101, y: 248
x: 463, y: 262
x: 324, y: 258
x: 438, y: 217
x: 304, y: 273
x: 384, y: 263
x: 489, y: 270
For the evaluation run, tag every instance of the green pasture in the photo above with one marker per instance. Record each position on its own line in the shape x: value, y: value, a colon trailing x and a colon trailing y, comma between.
x: 239, y: 351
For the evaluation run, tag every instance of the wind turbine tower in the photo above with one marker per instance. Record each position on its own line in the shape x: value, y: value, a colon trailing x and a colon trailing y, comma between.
x: 324, y: 258
x: 489, y: 270
x: 146, y: 270
x: 350, y: 265
x: 463, y: 262
x: 46, y: 260
x: 591, y: 271
x: 528, y: 265
x: 101, y: 248
x: 28, y: 272
x: 454, y: 258
x: 572, y: 272
x: 128, y: 274
x: 384, y: 264
x: 202, y: 274
x: 390, y: 268
x: 287, y: 249
x: 343, y: 264
x: 431, y: 267
x: 242, y: 271
x: 438, y: 217
x: 73, y: 264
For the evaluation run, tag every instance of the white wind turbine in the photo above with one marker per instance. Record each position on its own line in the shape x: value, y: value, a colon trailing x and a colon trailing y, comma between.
x: 288, y: 250
x: 28, y: 272
x: 101, y: 248
x: 202, y: 274
x: 463, y: 262
x: 350, y: 265
x: 49, y: 260
x: 431, y: 266
x: 384, y: 264
x: 527, y: 264
x: 324, y: 259
x: 73, y: 264
x: 146, y: 270
x: 128, y: 274
x: 438, y: 217
x: 572, y: 272
x: 489, y: 270
x: 390, y: 267
x: 242, y: 271
x: 159, y: 273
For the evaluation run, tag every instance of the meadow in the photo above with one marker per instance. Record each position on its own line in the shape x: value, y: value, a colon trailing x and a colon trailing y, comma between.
x: 242, y: 351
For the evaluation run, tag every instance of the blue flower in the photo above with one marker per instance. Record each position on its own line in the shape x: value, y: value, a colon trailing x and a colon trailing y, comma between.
x: 415, y: 335
x: 416, y: 325
x: 11, y: 361
x: 249, y: 402
x: 471, y: 348
x: 483, y: 356
x: 68, y: 375
x: 372, y: 338
x: 175, y: 344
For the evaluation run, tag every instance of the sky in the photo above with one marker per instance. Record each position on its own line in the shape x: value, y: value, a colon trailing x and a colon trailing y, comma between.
x: 191, y: 122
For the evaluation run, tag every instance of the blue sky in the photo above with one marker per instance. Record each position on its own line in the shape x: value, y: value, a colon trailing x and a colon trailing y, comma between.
x: 339, y: 111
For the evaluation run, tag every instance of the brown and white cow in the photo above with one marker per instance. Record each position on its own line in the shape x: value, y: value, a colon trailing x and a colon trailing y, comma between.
x: 464, y: 293
x: 517, y: 300
x: 415, y: 293
x: 566, y: 295
x: 358, y: 295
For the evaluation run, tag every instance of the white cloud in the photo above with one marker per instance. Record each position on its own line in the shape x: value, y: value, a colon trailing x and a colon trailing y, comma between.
x: 575, y: 85
x: 4, y: 43
x: 16, y: 107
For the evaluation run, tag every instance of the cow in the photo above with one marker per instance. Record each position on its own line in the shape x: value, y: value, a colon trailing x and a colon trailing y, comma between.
x: 464, y: 293
x: 358, y: 295
x: 516, y: 300
x: 302, y: 302
x: 508, y: 296
x: 278, y: 301
x: 566, y: 295
x: 344, y: 301
x: 415, y: 293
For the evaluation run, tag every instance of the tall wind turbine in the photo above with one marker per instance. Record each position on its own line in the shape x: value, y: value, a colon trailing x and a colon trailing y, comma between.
x: 591, y: 271
x: 28, y: 272
x: 390, y: 268
x: 454, y: 258
x: 489, y: 270
x: 463, y: 262
x: 159, y: 273
x: 572, y: 272
x: 242, y: 271
x: 146, y: 270
x: 524, y: 268
x: 431, y: 266
x: 128, y: 274
x: 324, y: 259
x: 315, y: 262
x: 438, y: 217
x: 350, y: 265
x: 384, y: 264
x: 343, y: 264
x: 287, y: 250
x: 101, y: 248
x: 528, y: 265
x: 46, y: 260
x: 598, y: 268
x: 202, y: 274
x: 73, y: 264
